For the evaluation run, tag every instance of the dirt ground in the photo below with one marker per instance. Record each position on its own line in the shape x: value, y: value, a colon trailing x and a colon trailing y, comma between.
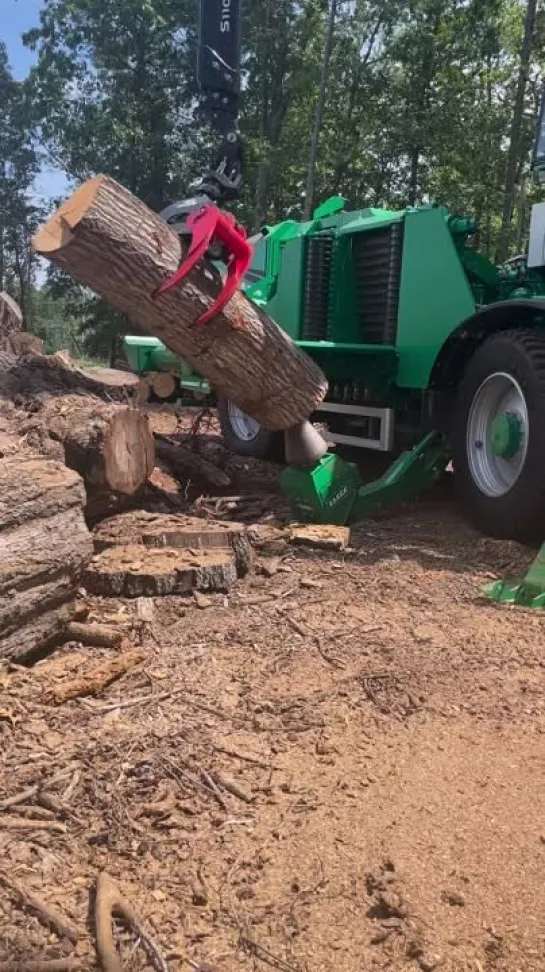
x: 337, y: 767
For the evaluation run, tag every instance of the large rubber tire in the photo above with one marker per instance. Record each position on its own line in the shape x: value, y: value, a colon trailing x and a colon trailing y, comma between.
x: 264, y: 444
x: 517, y: 513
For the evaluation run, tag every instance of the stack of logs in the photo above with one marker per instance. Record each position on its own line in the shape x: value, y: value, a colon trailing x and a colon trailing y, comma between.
x: 74, y: 448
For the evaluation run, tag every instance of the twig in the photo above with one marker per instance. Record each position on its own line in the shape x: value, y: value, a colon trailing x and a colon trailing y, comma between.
x: 231, y: 786
x: 259, y: 952
x: 110, y: 902
x: 139, y: 700
x: 25, y: 823
x: 31, y: 792
x: 211, y: 784
x: 53, y: 965
x: 38, y: 908
x: 297, y: 627
x: 21, y: 797
x: 243, y: 756
x: 335, y: 662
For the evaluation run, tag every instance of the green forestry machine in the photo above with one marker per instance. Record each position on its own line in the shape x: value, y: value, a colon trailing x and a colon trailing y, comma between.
x: 432, y: 353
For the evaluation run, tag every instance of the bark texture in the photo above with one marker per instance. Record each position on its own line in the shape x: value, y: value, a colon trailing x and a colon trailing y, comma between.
x: 44, y: 546
x: 134, y: 571
x: 111, y: 242
x: 11, y: 320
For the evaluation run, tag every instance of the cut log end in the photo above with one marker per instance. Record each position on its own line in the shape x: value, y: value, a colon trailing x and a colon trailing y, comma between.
x: 110, y: 241
x: 57, y: 231
x: 128, y: 452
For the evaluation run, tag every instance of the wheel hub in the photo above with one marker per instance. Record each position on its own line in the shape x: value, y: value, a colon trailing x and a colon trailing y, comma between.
x: 244, y: 426
x: 505, y: 435
x: 497, y: 434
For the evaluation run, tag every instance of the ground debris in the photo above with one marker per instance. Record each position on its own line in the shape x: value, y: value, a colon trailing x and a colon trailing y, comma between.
x: 97, y: 679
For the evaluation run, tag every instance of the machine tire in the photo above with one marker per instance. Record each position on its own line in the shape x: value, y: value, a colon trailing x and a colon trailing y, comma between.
x: 264, y: 445
x: 507, y: 503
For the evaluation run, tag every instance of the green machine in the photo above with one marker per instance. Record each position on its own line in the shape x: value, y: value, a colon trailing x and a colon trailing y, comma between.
x: 433, y: 355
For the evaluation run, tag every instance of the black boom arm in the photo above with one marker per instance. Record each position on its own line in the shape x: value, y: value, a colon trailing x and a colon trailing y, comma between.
x: 218, y: 75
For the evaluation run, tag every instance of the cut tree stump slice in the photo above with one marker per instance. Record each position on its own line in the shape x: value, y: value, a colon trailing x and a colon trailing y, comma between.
x: 137, y: 571
x: 176, y: 531
x: 163, y: 384
x: 110, y: 241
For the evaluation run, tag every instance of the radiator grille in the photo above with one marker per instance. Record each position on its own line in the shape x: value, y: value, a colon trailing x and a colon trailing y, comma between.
x: 319, y: 254
x: 377, y: 269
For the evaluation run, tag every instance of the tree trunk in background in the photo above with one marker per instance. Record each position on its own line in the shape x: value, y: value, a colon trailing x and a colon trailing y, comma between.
x: 111, y: 242
x: 319, y: 115
x: 513, y: 156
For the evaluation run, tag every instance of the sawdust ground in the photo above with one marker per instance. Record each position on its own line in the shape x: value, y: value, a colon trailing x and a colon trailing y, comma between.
x: 384, y: 727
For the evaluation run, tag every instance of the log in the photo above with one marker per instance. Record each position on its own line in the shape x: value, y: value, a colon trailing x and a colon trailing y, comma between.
x: 111, y: 242
x: 44, y: 546
x: 109, y: 445
x: 134, y: 571
x: 35, y: 376
x: 187, y: 464
x: 163, y: 384
x: 108, y: 670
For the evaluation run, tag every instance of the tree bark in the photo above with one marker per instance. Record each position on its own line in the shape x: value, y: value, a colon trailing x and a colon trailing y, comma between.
x: 110, y: 446
x: 11, y: 320
x: 186, y: 464
x: 111, y: 242
x: 44, y: 546
x: 137, y: 571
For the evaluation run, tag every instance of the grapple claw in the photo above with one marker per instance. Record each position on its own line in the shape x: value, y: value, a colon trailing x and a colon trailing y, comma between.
x: 206, y: 225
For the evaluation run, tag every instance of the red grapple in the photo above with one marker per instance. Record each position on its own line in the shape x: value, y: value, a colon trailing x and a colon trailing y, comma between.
x: 207, y: 225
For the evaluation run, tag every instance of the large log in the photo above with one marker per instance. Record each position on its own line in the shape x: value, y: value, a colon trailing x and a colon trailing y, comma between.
x: 44, y: 546
x: 33, y: 376
x: 110, y: 241
x: 110, y: 446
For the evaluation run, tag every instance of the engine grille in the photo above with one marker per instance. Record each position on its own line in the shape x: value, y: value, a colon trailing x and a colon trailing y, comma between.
x: 319, y: 254
x: 377, y: 269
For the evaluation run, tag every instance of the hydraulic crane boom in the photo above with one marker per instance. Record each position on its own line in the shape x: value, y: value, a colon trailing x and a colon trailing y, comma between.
x: 218, y: 76
x: 214, y: 233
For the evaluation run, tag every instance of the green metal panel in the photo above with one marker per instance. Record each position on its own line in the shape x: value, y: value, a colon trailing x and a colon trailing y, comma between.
x: 344, y: 326
x: 435, y: 296
x: 137, y: 351
x: 368, y: 219
x: 372, y: 365
x: 286, y: 304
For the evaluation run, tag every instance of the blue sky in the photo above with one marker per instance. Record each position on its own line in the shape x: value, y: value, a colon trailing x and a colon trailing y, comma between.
x: 17, y: 17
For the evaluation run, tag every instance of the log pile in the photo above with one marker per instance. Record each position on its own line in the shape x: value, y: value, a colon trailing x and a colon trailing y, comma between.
x: 74, y: 448
x: 44, y: 547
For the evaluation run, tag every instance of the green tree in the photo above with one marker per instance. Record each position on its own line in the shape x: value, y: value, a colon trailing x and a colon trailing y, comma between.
x: 18, y: 213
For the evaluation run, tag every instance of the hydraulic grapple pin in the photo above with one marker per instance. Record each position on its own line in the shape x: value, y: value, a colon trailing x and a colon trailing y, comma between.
x: 208, y: 226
